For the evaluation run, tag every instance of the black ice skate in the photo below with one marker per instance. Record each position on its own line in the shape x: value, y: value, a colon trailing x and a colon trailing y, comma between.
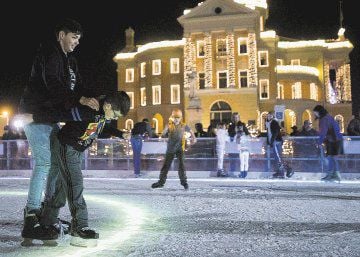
x: 157, y: 185
x: 185, y: 185
x: 34, y: 231
x: 84, y: 237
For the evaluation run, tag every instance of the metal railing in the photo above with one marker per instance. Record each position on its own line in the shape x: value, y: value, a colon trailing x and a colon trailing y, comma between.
x: 116, y: 154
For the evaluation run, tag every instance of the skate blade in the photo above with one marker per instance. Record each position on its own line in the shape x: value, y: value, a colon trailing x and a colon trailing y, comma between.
x: 81, y: 242
x: 27, y: 242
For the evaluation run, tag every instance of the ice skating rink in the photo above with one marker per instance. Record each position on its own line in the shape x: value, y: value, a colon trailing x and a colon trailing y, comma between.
x: 216, y: 217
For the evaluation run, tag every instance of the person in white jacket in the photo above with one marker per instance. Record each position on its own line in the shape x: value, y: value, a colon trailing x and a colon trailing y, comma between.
x: 222, y: 137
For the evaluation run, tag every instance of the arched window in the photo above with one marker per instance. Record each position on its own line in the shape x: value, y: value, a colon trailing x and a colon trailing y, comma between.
x: 129, y: 124
x: 263, y: 121
x: 155, y: 125
x: 220, y: 112
x: 340, y: 120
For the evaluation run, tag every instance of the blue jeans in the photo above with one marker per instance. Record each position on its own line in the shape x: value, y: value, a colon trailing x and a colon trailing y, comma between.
x: 39, y: 137
x: 136, y: 143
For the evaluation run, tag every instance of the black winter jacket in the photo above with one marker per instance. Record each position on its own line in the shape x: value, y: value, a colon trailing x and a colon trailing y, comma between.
x: 54, y: 81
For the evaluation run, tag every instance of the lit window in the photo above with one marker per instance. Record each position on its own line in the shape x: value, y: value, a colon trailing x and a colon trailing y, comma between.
x: 175, y: 94
x: 264, y: 88
x: 200, y: 49
x: 314, y: 92
x: 263, y: 59
x: 129, y: 75
x: 156, y: 67
x: 143, y: 96
x: 279, y: 61
x: 156, y: 95
x: 201, y: 80
x: 129, y: 124
x: 295, y: 62
x: 280, y: 91
x: 143, y: 70
x: 221, y: 47
x: 131, y: 95
x: 296, y: 91
x: 340, y: 120
x: 222, y: 79
x: 243, y: 78
x: 174, y: 65
x: 261, y: 23
x: 242, y: 46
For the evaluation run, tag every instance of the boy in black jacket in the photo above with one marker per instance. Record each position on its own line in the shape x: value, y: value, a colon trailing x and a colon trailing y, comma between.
x: 82, y: 126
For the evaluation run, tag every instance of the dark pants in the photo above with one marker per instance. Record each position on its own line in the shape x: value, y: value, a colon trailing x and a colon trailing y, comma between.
x: 169, y: 157
x: 68, y: 185
x: 136, y: 143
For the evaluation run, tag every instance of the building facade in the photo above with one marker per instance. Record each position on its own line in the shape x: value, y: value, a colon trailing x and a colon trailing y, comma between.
x: 228, y: 62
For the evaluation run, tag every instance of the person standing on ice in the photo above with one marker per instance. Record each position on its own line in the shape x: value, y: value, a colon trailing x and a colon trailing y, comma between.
x: 176, y: 132
x: 222, y: 137
x: 329, y: 134
x: 54, y: 83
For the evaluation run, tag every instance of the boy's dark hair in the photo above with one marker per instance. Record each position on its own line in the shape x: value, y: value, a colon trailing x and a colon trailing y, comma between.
x: 68, y: 26
x: 321, y: 110
x: 120, y: 101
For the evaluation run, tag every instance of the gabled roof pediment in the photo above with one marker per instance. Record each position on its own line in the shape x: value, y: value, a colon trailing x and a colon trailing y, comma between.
x: 217, y: 8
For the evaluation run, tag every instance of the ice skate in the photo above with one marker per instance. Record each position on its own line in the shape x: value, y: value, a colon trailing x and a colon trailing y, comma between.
x: 278, y: 175
x: 84, y: 237
x: 289, y: 172
x: 33, y: 230
x: 157, y: 185
x: 332, y: 177
x: 185, y: 185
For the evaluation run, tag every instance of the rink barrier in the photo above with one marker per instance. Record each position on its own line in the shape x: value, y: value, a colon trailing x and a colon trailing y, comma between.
x: 116, y: 154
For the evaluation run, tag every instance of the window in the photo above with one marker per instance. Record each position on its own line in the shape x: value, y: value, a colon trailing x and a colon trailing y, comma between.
x: 220, y: 112
x: 131, y: 95
x: 279, y: 61
x: 143, y: 70
x: 263, y: 121
x: 174, y: 65
x: 175, y: 94
x: 129, y: 124
x: 295, y: 62
x: 143, y: 96
x: 129, y: 75
x: 156, y: 67
x: 261, y: 23
x: 340, y: 120
x: 263, y: 59
x: 201, y: 76
x: 200, y: 49
x: 296, y: 90
x: 222, y: 79
x: 264, y: 88
x: 314, y: 92
x: 280, y: 91
x: 243, y: 78
x: 156, y: 95
x: 242, y: 46
x: 221, y: 50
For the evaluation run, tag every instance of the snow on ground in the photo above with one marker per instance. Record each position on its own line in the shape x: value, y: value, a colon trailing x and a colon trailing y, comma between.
x: 216, y: 217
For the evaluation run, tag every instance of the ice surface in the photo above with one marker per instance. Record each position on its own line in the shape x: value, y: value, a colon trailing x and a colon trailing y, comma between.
x: 216, y: 217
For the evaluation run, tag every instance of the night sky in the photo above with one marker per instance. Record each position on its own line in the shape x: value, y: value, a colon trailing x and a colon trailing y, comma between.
x: 25, y: 25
